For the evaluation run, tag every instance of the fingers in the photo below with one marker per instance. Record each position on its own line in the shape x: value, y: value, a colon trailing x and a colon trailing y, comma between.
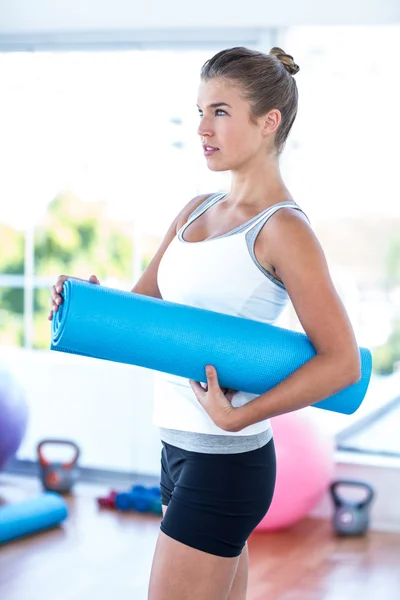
x: 212, y: 377
x: 56, y: 298
x: 194, y: 384
x: 197, y: 387
x: 59, y: 283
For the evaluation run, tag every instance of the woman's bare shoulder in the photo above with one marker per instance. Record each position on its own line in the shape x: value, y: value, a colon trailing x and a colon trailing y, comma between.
x: 189, y: 208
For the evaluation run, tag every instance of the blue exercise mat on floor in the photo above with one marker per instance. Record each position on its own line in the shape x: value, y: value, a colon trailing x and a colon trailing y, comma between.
x: 249, y: 356
x: 31, y: 516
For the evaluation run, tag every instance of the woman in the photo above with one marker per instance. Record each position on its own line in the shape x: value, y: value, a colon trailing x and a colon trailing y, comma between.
x: 245, y: 253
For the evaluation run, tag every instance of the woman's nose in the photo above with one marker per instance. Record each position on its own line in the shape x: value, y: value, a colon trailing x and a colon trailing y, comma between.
x: 204, y: 129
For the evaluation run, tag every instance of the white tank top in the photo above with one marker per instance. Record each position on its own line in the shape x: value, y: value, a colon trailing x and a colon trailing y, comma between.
x: 220, y: 274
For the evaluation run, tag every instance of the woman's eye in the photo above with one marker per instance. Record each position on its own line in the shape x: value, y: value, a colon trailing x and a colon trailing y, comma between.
x: 218, y: 112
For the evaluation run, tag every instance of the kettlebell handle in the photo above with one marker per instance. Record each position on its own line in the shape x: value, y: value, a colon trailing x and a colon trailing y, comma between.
x: 46, y: 463
x: 351, y: 483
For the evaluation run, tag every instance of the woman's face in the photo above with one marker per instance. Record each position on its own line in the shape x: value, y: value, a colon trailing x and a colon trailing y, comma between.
x: 229, y: 138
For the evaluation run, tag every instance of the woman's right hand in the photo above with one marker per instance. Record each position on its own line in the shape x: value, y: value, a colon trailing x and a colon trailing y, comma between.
x: 56, y: 298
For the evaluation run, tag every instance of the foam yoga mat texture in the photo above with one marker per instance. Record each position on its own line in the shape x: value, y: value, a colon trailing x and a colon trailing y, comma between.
x: 31, y: 516
x: 249, y: 356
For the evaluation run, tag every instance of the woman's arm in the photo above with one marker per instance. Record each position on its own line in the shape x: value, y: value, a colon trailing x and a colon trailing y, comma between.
x: 299, y: 261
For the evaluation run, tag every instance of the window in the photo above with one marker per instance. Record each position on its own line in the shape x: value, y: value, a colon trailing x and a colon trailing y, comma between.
x: 91, y: 143
x: 341, y: 163
x: 98, y: 153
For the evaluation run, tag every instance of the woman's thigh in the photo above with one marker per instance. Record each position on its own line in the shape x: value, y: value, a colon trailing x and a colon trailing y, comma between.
x: 238, y: 588
x: 180, y: 572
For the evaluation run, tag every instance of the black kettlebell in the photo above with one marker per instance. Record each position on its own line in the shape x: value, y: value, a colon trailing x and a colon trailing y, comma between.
x: 351, y: 517
x: 58, y: 476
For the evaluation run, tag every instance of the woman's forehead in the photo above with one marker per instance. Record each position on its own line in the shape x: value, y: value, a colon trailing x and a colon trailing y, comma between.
x: 218, y: 90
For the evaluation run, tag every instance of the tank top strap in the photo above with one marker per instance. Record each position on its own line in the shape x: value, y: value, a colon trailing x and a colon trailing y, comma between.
x: 203, y: 206
x: 263, y: 217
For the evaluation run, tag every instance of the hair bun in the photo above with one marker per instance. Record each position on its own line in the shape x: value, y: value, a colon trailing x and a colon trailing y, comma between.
x: 286, y: 60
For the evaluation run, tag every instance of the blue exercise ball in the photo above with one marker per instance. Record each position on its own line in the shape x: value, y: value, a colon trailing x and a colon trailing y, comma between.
x: 13, y: 415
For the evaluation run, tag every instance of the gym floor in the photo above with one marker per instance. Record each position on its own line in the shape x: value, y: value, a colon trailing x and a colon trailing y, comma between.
x: 100, y: 554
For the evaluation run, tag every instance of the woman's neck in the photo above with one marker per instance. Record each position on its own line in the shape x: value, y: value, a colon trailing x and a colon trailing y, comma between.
x: 257, y: 188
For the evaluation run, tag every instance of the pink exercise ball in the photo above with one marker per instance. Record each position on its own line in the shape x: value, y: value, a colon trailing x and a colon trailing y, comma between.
x: 305, y: 469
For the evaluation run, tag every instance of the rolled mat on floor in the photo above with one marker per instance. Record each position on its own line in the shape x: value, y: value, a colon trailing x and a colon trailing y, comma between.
x: 249, y: 356
x: 31, y: 516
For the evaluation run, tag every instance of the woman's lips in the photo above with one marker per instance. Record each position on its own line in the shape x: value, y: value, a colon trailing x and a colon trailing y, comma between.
x: 209, y: 150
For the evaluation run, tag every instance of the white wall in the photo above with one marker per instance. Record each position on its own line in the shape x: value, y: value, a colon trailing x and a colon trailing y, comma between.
x: 105, y: 407
x: 55, y: 16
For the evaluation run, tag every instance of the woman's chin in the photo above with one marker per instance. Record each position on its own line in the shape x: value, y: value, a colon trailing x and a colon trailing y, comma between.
x: 215, y: 166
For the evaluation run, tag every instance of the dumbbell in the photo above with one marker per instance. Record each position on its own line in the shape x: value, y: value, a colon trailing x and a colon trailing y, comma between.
x: 107, y: 501
x: 141, y: 499
x: 351, y: 517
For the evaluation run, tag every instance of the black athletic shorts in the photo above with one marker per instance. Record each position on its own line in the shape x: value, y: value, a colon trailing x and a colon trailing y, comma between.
x: 216, y: 500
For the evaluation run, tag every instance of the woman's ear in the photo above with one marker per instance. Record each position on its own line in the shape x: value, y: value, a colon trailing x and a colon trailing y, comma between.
x: 271, y: 121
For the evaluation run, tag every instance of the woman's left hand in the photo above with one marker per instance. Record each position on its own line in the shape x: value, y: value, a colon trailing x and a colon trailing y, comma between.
x: 216, y: 401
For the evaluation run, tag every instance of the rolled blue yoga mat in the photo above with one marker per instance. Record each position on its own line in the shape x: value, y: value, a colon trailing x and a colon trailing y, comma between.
x: 249, y: 356
x: 31, y: 516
